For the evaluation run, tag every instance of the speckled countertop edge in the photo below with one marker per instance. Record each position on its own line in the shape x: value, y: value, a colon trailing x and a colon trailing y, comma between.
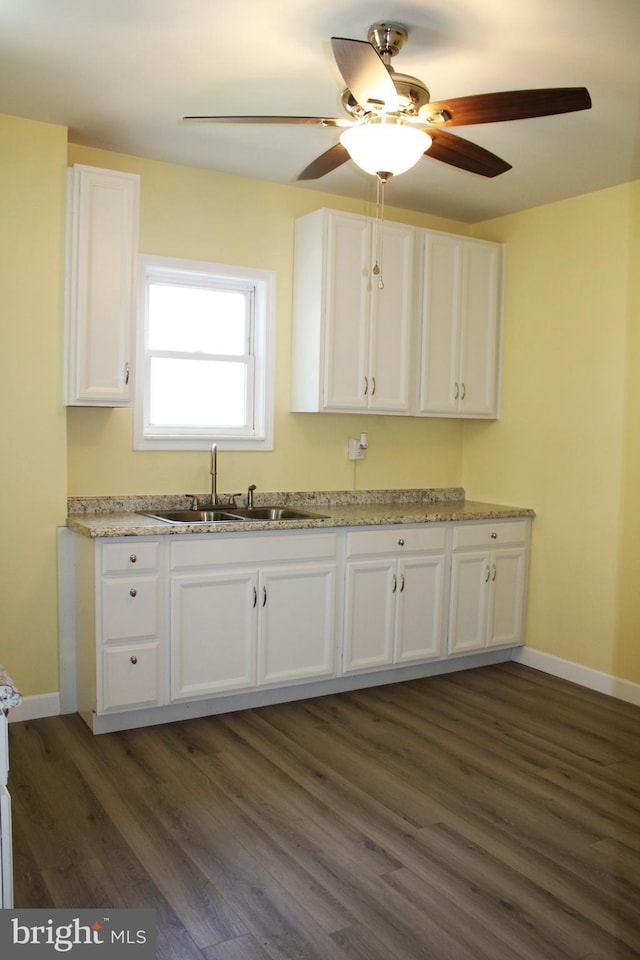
x: 121, y: 517
x: 9, y: 693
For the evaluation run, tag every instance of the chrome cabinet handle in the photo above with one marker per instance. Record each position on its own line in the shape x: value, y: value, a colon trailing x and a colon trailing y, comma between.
x: 395, y: 583
x: 487, y: 575
x: 264, y: 596
x: 373, y: 387
x: 255, y: 597
x: 463, y: 392
x: 402, y: 583
x: 133, y: 558
x: 494, y: 573
x: 133, y: 592
x: 134, y: 660
x: 456, y: 393
x: 126, y: 374
x: 366, y: 386
x: 494, y: 535
x: 401, y: 542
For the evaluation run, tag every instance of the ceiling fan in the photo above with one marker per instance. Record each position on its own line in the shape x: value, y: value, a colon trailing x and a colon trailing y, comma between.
x: 393, y: 121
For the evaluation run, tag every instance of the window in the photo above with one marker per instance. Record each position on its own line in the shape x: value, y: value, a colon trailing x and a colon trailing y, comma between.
x: 204, y: 356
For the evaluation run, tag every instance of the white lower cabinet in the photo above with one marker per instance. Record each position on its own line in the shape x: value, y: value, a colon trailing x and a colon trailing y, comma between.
x: 394, y: 596
x: 488, y: 585
x: 249, y: 611
x: 120, y: 625
x: 167, y: 620
x: 6, y: 853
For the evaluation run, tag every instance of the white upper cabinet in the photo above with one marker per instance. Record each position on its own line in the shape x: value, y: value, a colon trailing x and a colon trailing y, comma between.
x: 352, y: 328
x: 461, y: 326
x: 102, y: 251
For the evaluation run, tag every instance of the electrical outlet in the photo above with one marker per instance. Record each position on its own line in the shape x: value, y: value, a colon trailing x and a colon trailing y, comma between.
x: 355, y: 450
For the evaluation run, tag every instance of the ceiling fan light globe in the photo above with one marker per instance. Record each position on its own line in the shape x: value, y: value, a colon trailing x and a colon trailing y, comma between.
x: 386, y: 147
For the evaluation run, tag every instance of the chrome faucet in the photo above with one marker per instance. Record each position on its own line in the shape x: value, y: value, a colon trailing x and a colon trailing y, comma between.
x: 214, y: 474
x: 250, y: 496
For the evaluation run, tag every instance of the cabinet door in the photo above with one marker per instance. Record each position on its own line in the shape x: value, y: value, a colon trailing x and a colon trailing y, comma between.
x: 297, y: 622
x: 103, y: 249
x: 392, y: 321
x: 370, y: 600
x: 347, y: 278
x: 213, y: 633
x: 470, y: 574
x: 420, y: 617
x: 479, y: 342
x: 507, y: 598
x: 441, y: 313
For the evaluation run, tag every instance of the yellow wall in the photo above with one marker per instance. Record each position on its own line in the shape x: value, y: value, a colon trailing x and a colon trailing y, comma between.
x: 567, y: 442
x: 33, y: 444
x: 626, y: 661
x: 197, y: 214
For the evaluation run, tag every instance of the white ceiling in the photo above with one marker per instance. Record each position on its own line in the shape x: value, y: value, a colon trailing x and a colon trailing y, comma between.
x: 122, y: 73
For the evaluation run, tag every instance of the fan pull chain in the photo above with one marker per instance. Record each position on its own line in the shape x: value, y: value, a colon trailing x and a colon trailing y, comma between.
x: 379, y: 227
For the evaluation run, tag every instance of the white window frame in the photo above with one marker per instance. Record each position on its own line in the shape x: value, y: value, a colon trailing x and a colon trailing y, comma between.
x: 262, y: 283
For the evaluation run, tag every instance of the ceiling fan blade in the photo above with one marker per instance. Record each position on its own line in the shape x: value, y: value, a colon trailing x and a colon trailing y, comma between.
x: 451, y: 149
x: 313, y: 121
x: 510, y: 105
x: 329, y: 160
x: 364, y: 72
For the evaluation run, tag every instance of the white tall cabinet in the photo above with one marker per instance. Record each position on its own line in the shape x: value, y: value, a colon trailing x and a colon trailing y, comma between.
x: 461, y: 317
x: 102, y: 249
x: 352, y: 337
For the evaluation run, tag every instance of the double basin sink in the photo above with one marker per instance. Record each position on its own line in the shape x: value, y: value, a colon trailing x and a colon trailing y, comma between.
x: 232, y: 514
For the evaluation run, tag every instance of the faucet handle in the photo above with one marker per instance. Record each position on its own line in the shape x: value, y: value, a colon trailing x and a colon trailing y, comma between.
x: 194, y: 500
x: 229, y: 499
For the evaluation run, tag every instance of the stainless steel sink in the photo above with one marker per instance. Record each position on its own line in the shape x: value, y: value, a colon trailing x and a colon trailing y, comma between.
x: 275, y: 513
x: 192, y: 516
x: 230, y: 514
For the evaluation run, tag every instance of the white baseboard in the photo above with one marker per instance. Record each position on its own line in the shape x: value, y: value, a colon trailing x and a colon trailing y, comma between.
x: 576, y: 673
x: 48, y: 704
x: 33, y: 708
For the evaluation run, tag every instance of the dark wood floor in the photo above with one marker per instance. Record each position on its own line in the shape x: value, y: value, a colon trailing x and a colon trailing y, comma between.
x: 492, y: 814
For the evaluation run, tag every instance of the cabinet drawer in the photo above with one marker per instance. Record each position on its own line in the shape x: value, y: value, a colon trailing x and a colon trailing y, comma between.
x: 130, y: 608
x: 130, y: 557
x: 241, y: 548
x: 131, y: 676
x: 397, y: 540
x: 497, y: 533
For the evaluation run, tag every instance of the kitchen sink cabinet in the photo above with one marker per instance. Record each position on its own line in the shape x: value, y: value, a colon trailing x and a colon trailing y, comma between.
x: 394, y: 596
x: 249, y: 624
x: 169, y: 625
x: 461, y: 316
x: 102, y: 253
x: 488, y: 585
x: 352, y: 329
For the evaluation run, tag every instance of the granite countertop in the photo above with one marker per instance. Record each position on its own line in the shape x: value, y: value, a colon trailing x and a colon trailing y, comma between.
x: 9, y: 693
x: 123, y: 517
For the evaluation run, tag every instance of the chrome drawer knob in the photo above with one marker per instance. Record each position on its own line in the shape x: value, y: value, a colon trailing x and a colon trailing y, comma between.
x: 133, y: 592
x: 134, y: 660
x: 133, y: 558
x: 401, y: 542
